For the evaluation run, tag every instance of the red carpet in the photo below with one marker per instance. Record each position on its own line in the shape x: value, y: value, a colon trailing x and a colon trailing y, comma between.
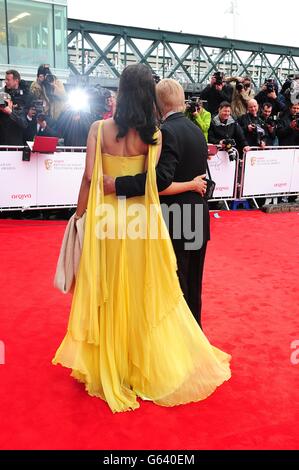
x: 250, y: 310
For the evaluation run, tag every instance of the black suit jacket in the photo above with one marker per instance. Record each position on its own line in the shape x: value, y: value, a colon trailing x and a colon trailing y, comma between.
x: 183, y: 156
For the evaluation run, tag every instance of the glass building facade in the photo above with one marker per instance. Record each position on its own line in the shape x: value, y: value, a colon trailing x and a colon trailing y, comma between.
x: 33, y: 32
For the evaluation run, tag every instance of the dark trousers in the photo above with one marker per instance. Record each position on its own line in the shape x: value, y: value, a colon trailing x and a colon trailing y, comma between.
x: 190, y: 273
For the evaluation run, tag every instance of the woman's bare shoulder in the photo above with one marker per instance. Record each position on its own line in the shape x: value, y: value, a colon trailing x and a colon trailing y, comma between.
x: 108, y: 124
x: 94, y: 126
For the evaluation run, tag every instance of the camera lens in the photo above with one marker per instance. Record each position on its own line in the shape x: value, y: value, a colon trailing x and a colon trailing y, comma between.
x: 232, y: 155
x: 50, y: 78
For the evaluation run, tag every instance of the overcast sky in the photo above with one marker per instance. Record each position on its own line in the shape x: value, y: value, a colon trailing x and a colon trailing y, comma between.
x: 254, y: 20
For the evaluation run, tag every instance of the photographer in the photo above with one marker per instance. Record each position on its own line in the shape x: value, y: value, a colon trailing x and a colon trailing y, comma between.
x: 17, y: 89
x: 37, y: 124
x: 12, y: 122
x: 269, y: 94
x: 73, y: 126
x: 198, y: 114
x: 269, y: 122
x: 288, y: 126
x: 291, y: 84
x: 216, y: 93
x: 242, y: 93
x: 253, y: 127
x: 110, y: 105
x: 50, y: 90
x: 224, y: 127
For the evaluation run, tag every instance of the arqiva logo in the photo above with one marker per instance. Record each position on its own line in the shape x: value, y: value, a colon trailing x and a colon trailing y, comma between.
x: 21, y: 196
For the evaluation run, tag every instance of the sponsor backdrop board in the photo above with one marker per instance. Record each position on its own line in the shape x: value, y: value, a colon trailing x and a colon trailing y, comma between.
x: 223, y: 172
x: 295, y: 174
x: 59, y: 177
x: 268, y: 172
x: 54, y: 179
x: 17, y: 180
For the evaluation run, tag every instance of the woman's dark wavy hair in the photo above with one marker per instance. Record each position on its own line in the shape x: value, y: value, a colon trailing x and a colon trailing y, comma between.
x: 136, y: 103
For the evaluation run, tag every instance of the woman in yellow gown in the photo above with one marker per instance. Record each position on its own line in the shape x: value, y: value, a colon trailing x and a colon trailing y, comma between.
x: 130, y: 332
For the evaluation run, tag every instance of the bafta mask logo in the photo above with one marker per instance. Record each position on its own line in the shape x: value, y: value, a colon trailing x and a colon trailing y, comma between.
x: 253, y: 161
x: 48, y: 164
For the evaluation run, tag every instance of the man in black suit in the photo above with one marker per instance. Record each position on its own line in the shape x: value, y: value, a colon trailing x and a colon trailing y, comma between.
x: 183, y: 157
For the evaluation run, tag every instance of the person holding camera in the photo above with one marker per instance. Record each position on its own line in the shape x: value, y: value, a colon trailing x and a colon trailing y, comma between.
x: 242, y: 93
x: 269, y: 94
x: 73, y: 127
x: 290, y: 86
x: 37, y: 124
x: 224, y: 128
x: 288, y: 126
x: 269, y: 123
x: 13, y: 100
x: 12, y: 122
x: 216, y: 92
x: 17, y: 89
x: 198, y: 114
x: 110, y: 105
x: 253, y: 126
x: 50, y: 90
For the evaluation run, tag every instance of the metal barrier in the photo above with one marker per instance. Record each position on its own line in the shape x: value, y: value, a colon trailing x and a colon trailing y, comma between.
x: 225, y: 173
x: 270, y: 172
x: 46, y: 181
x: 53, y: 180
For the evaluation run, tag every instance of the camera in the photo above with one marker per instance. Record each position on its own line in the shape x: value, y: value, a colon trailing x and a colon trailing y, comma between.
x: 156, y: 78
x: 192, y: 104
x: 269, y: 83
x: 218, y: 78
x: 229, y: 146
x: 3, y: 99
x: 295, y: 117
x: 50, y: 78
x: 3, y: 103
x: 271, y: 121
x: 239, y: 86
x: 38, y: 106
x: 260, y: 132
x: 294, y: 91
x: 41, y: 117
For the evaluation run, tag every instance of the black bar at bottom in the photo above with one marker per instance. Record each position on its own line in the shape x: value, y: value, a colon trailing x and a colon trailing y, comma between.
x: 137, y: 458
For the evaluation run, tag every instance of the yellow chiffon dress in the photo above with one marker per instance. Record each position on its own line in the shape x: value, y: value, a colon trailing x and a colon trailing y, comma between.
x: 130, y: 332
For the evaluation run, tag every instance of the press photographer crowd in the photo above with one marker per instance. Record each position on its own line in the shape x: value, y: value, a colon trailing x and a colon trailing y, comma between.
x: 228, y: 111
x: 44, y: 108
x: 231, y: 113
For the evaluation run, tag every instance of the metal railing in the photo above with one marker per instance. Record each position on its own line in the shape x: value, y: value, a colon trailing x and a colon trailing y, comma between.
x: 100, y: 50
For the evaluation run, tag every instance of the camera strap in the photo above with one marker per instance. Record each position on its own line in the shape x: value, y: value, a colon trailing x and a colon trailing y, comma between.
x: 208, y: 171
